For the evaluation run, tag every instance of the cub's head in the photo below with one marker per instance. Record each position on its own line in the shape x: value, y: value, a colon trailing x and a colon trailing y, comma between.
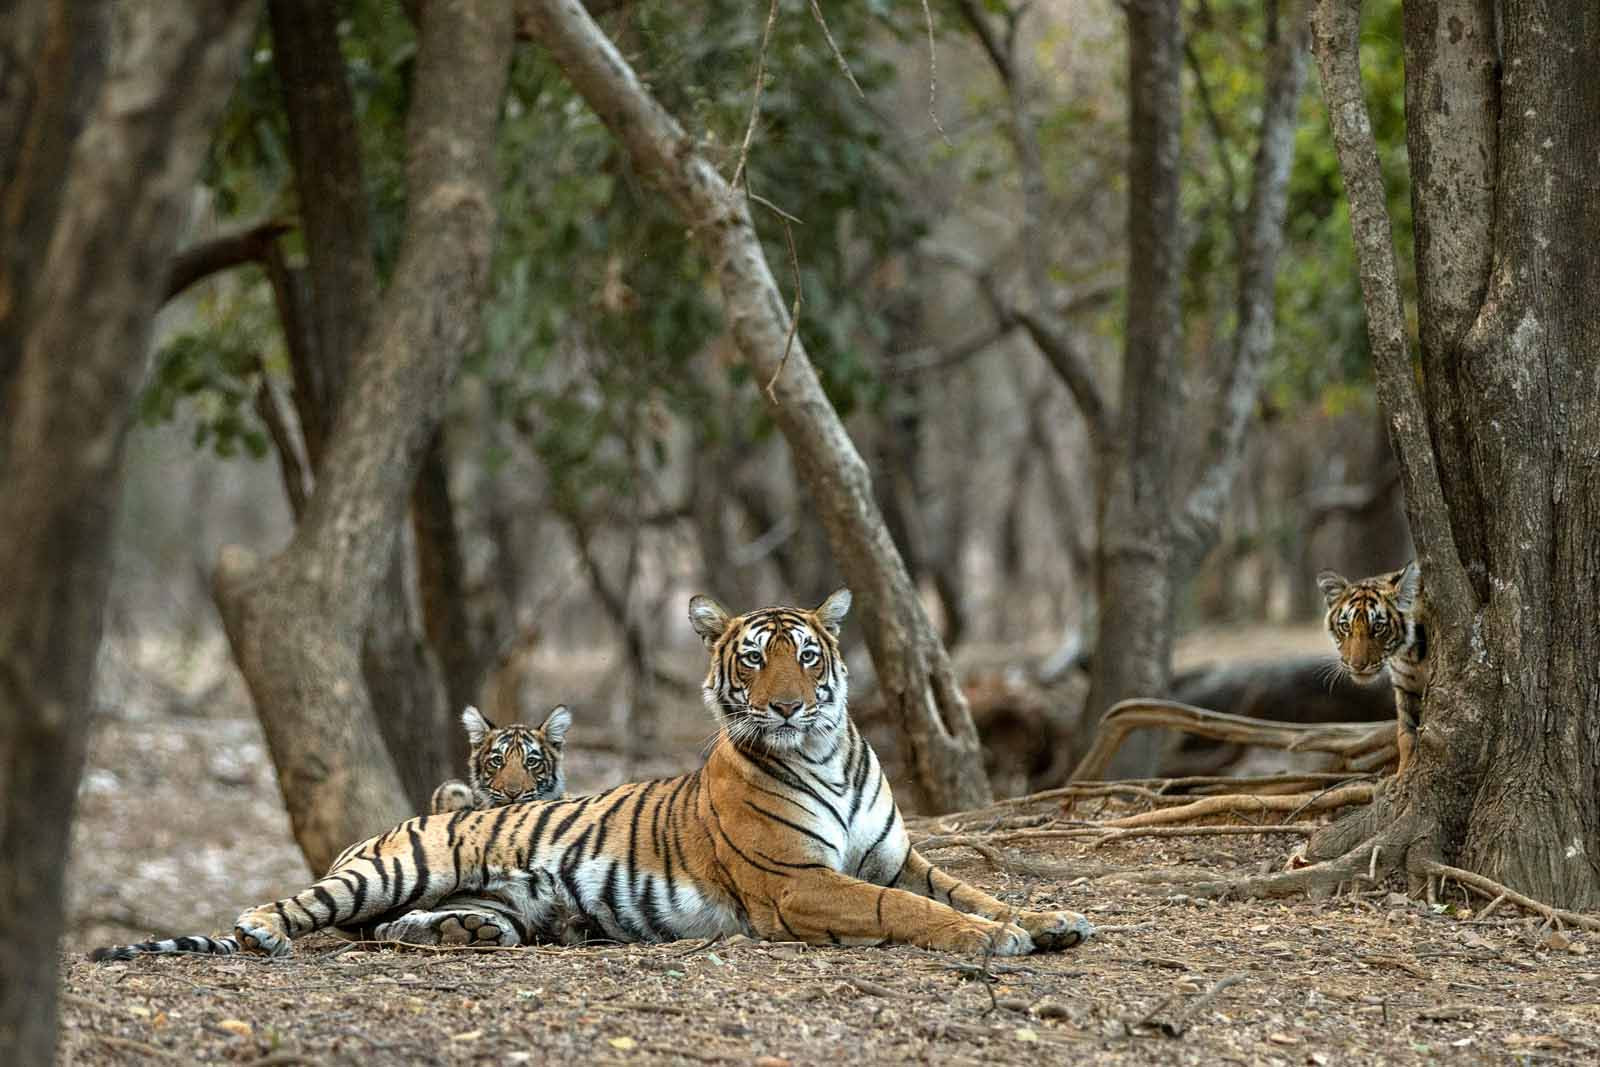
x: 516, y: 762
x: 1366, y: 618
x: 777, y: 678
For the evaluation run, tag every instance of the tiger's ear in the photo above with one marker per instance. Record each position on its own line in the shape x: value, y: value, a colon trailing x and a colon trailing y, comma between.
x: 1332, y: 585
x: 1407, y: 584
x: 833, y: 610
x: 556, y: 724
x: 707, y: 618
x: 477, y: 726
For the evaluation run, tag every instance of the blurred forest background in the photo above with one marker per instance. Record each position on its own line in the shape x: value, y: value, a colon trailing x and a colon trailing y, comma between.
x: 605, y: 452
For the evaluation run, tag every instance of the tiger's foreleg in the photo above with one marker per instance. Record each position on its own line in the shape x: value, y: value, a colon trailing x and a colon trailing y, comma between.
x: 825, y: 907
x: 385, y: 876
x: 1049, y: 929
x: 1408, y: 716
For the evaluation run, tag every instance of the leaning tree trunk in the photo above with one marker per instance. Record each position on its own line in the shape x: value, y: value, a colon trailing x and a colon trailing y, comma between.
x: 1135, y: 552
x: 101, y: 205
x: 296, y: 622
x: 341, y: 293
x: 915, y: 676
x: 1498, y: 452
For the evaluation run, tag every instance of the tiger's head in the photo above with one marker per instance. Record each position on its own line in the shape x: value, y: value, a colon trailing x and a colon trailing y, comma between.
x: 516, y: 762
x: 1366, y: 618
x: 777, y: 678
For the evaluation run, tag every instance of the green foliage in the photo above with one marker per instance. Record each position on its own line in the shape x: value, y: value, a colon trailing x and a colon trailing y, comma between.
x: 602, y: 308
x: 213, y: 373
x: 1321, y: 351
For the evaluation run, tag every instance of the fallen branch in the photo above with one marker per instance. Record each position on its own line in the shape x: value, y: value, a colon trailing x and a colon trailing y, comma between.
x: 1180, y: 1023
x: 1359, y: 745
x: 1204, y: 831
x: 1295, y: 803
x: 1160, y: 789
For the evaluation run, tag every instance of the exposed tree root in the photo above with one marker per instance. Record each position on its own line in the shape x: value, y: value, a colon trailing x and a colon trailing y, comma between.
x: 1360, y: 746
x: 1496, y: 892
x: 1294, y: 803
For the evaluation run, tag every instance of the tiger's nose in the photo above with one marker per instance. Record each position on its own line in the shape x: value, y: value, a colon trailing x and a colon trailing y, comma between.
x: 788, y: 709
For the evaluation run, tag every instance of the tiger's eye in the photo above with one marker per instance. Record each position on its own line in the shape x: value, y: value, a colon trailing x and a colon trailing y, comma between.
x: 808, y: 657
x: 751, y: 659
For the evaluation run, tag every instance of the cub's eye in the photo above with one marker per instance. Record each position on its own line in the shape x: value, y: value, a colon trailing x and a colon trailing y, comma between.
x: 751, y: 658
x: 494, y: 762
x: 809, y: 657
x: 1380, y: 624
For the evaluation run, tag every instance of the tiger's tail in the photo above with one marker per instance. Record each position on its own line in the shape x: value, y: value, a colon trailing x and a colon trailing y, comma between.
x: 193, y: 945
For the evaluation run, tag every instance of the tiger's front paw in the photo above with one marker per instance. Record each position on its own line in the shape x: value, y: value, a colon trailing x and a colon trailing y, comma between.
x: 1055, y: 930
x: 1009, y: 939
x: 262, y: 932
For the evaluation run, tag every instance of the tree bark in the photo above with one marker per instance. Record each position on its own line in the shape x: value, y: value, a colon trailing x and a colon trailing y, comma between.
x: 295, y: 622
x: 1507, y: 779
x: 1135, y: 553
x: 341, y: 297
x: 441, y: 579
x: 914, y: 671
x: 104, y: 182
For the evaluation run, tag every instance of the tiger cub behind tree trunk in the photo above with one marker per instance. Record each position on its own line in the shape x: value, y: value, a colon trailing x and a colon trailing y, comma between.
x: 788, y: 831
x: 507, y: 764
x: 1383, y: 621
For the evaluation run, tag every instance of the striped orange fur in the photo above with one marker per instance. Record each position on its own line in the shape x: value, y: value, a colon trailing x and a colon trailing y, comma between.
x: 1381, y: 622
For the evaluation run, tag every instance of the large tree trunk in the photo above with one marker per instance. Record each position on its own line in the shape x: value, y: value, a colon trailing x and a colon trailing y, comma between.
x: 914, y: 672
x: 1135, y: 553
x: 1498, y: 451
x: 295, y: 622
x: 82, y: 276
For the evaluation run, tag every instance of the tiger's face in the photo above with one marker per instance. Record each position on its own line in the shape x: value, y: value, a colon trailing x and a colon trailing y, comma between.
x: 777, y: 677
x: 1366, y: 618
x: 516, y: 762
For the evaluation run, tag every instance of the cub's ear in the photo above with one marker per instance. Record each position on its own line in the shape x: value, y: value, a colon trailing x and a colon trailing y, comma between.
x: 556, y: 724
x: 833, y: 610
x: 1407, y: 586
x: 1332, y: 585
x: 707, y: 618
x: 477, y: 726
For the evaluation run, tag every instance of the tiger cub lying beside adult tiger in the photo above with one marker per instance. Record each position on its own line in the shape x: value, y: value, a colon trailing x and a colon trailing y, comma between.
x: 789, y: 831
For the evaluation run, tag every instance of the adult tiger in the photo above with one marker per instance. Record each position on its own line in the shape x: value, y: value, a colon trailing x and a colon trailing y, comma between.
x: 507, y: 764
x: 1383, y: 621
x: 788, y: 831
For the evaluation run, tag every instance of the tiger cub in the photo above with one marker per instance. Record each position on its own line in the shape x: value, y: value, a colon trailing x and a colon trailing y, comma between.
x: 507, y: 763
x: 788, y: 831
x: 1383, y: 621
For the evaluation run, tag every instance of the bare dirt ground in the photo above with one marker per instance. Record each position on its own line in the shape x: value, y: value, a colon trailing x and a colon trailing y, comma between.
x: 180, y: 827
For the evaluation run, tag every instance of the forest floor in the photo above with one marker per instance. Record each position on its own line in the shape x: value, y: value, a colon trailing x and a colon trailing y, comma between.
x: 180, y: 827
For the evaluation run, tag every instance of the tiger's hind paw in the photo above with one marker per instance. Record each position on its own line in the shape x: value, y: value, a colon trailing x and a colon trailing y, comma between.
x: 263, y: 934
x: 1055, y: 930
x: 457, y: 927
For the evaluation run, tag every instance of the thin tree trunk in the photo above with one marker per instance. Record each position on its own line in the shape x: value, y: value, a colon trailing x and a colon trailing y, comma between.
x: 1135, y: 554
x: 295, y: 622
x: 103, y: 182
x: 441, y: 581
x: 915, y: 677
x: 402, y: 672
